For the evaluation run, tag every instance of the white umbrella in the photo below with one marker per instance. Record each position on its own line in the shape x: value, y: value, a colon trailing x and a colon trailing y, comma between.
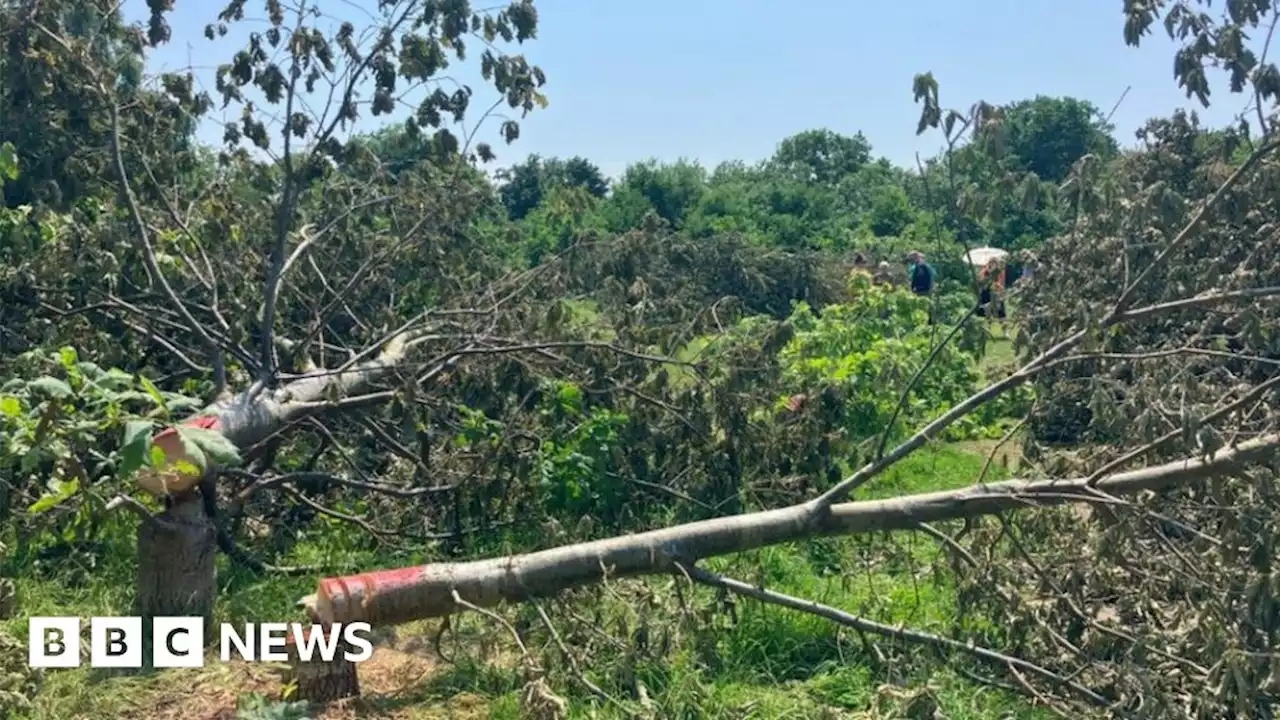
x: 979, y: 257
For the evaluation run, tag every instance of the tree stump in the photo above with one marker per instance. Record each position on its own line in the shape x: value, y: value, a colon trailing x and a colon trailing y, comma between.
x: 176, y: 571
x: 320, y: 681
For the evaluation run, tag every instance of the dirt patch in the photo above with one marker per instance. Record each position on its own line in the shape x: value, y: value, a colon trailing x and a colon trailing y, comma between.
x: 213, y: 692
x: 208, y: 693
x: 386, y: 680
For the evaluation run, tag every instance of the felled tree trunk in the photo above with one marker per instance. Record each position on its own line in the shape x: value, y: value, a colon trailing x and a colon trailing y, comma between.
x: 320, y: 681
x: 390, y: 597
x: 176, y: 571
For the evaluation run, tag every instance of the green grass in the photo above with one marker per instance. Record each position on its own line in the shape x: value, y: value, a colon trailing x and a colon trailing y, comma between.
x: 766, y: 662
x: 758, y: 662
x: 999, y: 351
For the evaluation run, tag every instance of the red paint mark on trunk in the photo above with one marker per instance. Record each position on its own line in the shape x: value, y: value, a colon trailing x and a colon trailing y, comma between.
x: 368, y: 584
x: 204, y: 422
x: 207, y: 422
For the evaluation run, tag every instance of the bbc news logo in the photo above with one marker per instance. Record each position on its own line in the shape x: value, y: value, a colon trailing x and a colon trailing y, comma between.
x: 178, y: 642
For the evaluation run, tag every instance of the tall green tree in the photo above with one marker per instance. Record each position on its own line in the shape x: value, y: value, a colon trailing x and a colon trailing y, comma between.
x: 1047, y: 135
x: 57, y: 120
x: 821, y: 156
x: 524, y: 185
x: 672, y: 190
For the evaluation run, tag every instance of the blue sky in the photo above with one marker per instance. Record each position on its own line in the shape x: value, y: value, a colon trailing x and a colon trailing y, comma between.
x: 716, y: 80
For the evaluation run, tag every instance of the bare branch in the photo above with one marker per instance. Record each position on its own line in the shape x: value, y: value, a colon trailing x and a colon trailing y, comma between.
x: 897, y: 633
x: 1188, y: 231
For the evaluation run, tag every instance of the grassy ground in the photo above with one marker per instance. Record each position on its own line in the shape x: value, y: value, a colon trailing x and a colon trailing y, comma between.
x: 770, y: 663
x: 765, y: 663
x: 999, y: 349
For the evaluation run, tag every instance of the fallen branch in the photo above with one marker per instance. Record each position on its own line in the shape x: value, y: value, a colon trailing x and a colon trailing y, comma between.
x: 898, y: 633
x: 573, y: 663
x: 404, y: 595
x: 252, y: 416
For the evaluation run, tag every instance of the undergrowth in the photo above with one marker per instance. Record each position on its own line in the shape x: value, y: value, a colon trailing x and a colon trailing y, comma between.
x: 699, y: 657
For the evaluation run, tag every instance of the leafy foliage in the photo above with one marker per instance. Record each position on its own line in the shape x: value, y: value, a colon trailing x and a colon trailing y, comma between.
x: 59, y: 418
x: 19, y: 683
x: 869, y: 350
x: 579, y: 357
x: 258, y: 707
x: 525, y: 185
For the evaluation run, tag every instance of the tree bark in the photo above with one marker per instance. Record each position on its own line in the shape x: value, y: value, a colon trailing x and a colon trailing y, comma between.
x: 176, y: 571
x: 396, y: 596
x: 252, y: 416
x: 320, y: 681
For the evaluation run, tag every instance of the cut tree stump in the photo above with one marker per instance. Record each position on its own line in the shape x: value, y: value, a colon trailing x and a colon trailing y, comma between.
x: 176, y: 571
x: 320, y: 681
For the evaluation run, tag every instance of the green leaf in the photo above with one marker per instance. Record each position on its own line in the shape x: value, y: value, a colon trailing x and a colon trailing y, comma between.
x: 68, y: 357
x: 117, y: 378
x: 180, y: 402
x: 186, y: 468
x: 136, y: 446
x: 153, y: 391
x: 214, y: 445
x: 89, y: 369
x: 59, y: 490
x: 10, y: 406
x: 569, y: 395
x: 193, y: 450
x: 8, y: 162
x: 44, y: 504
x: 50, y: 386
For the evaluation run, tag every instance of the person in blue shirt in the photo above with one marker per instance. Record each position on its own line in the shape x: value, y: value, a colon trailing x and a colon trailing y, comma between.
x: 920, y: 274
